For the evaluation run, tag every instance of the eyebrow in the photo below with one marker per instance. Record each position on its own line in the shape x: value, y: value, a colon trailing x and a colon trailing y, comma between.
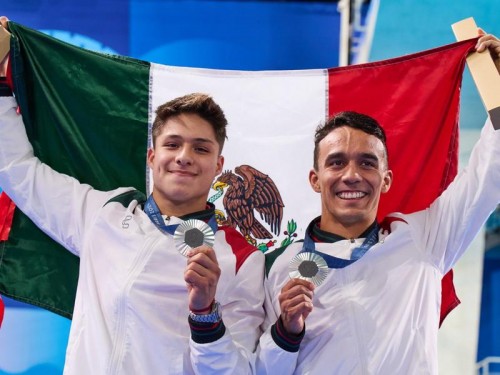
x: 369, y: 155
x: 194, y: 140
x: 342, y: 155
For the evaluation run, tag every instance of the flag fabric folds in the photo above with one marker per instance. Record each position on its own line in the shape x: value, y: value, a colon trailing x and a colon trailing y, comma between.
x: 89, y: 115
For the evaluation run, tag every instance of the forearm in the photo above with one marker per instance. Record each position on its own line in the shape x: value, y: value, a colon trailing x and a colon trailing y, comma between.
x: 16, y: 153
x: 56, y: 203
x: 447, y: 228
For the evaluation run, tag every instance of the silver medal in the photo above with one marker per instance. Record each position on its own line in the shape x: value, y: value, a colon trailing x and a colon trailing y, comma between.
x: 193, y: 233
x: 308, y: 266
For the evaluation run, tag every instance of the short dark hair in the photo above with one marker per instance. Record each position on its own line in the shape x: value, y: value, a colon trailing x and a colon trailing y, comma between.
x: 200, y: 104
x: 350, y: 119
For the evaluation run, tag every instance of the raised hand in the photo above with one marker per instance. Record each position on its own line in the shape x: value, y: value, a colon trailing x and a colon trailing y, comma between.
x: 3, y: 63
x: 490, y: 42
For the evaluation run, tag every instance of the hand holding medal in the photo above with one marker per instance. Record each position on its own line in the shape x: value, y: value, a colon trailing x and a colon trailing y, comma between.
x: 202, y: 272
x: 296, y: 304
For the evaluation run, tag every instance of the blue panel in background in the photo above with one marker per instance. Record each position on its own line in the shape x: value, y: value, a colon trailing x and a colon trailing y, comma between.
x: 105, y: 21
x: 235, y: 35
x: 32, y: 341
x: 250, y: 35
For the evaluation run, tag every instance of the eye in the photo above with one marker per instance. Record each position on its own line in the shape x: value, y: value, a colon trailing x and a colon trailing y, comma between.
x: 336, y: 163
x: 369, y: 164
x: 171, y: 145
x: 202, y: 150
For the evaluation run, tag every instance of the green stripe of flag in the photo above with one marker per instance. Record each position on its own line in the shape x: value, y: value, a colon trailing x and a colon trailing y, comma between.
x: 91, y: 123
x: 73, y: 121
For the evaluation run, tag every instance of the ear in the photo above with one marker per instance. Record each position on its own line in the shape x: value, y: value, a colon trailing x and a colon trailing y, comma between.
x: 151, y: 156
x: 313, y: 180
x: 220, y: 164
x: 386, y: 185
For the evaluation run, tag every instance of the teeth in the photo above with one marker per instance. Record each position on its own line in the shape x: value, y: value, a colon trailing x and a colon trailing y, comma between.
x: 351, y: 194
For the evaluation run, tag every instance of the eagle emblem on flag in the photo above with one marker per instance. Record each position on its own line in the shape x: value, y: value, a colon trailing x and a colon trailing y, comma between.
x: 248, y: 192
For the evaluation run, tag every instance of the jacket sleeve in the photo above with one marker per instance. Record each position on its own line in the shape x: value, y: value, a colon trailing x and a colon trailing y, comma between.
x: 58, y: 204
x: 242, y: 315
x: 449, y: 225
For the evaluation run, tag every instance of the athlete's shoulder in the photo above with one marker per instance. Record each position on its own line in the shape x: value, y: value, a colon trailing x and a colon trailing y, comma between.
x: 125, y: 196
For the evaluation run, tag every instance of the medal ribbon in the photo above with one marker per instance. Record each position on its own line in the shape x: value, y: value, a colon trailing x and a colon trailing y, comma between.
x: 151, y: 209
x: 334, y: 262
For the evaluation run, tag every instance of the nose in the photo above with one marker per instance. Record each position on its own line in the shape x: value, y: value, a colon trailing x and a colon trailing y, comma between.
x: 184, y: 156
x: 351, y: 173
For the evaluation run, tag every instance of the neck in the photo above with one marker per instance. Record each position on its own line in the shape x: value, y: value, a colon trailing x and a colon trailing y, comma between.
x: 178, y: 209
x: 350, y: 231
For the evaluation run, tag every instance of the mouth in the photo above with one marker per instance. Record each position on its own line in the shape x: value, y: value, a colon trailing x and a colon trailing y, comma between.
x: 183, y: 173
x: 351, y: 195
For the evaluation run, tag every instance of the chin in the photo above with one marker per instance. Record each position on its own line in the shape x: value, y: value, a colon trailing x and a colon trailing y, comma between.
x: 176, y: 195
x: 352, y: 218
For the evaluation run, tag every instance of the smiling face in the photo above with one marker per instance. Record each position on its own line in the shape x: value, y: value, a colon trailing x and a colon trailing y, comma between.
x: 184, y: 161
x: 351, y: 175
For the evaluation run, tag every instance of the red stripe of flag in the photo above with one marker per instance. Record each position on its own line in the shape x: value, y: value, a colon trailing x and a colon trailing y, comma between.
x: 6, y: 216
x: 416, y: 100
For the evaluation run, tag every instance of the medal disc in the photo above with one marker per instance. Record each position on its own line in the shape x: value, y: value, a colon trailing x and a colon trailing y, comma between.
x: 308, y: 266
x: 193, y: 233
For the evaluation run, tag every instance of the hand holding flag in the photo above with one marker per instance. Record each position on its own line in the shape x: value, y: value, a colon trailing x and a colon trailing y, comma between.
x: 4, y: 46
x: 491, y: 43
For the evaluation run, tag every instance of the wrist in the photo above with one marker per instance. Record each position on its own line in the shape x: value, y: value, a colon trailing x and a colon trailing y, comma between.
x: 286, y: 341
x: 214, y: 315
x: 203, y: 311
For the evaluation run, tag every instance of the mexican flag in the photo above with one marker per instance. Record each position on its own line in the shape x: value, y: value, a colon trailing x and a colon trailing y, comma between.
x: 89, y: 115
